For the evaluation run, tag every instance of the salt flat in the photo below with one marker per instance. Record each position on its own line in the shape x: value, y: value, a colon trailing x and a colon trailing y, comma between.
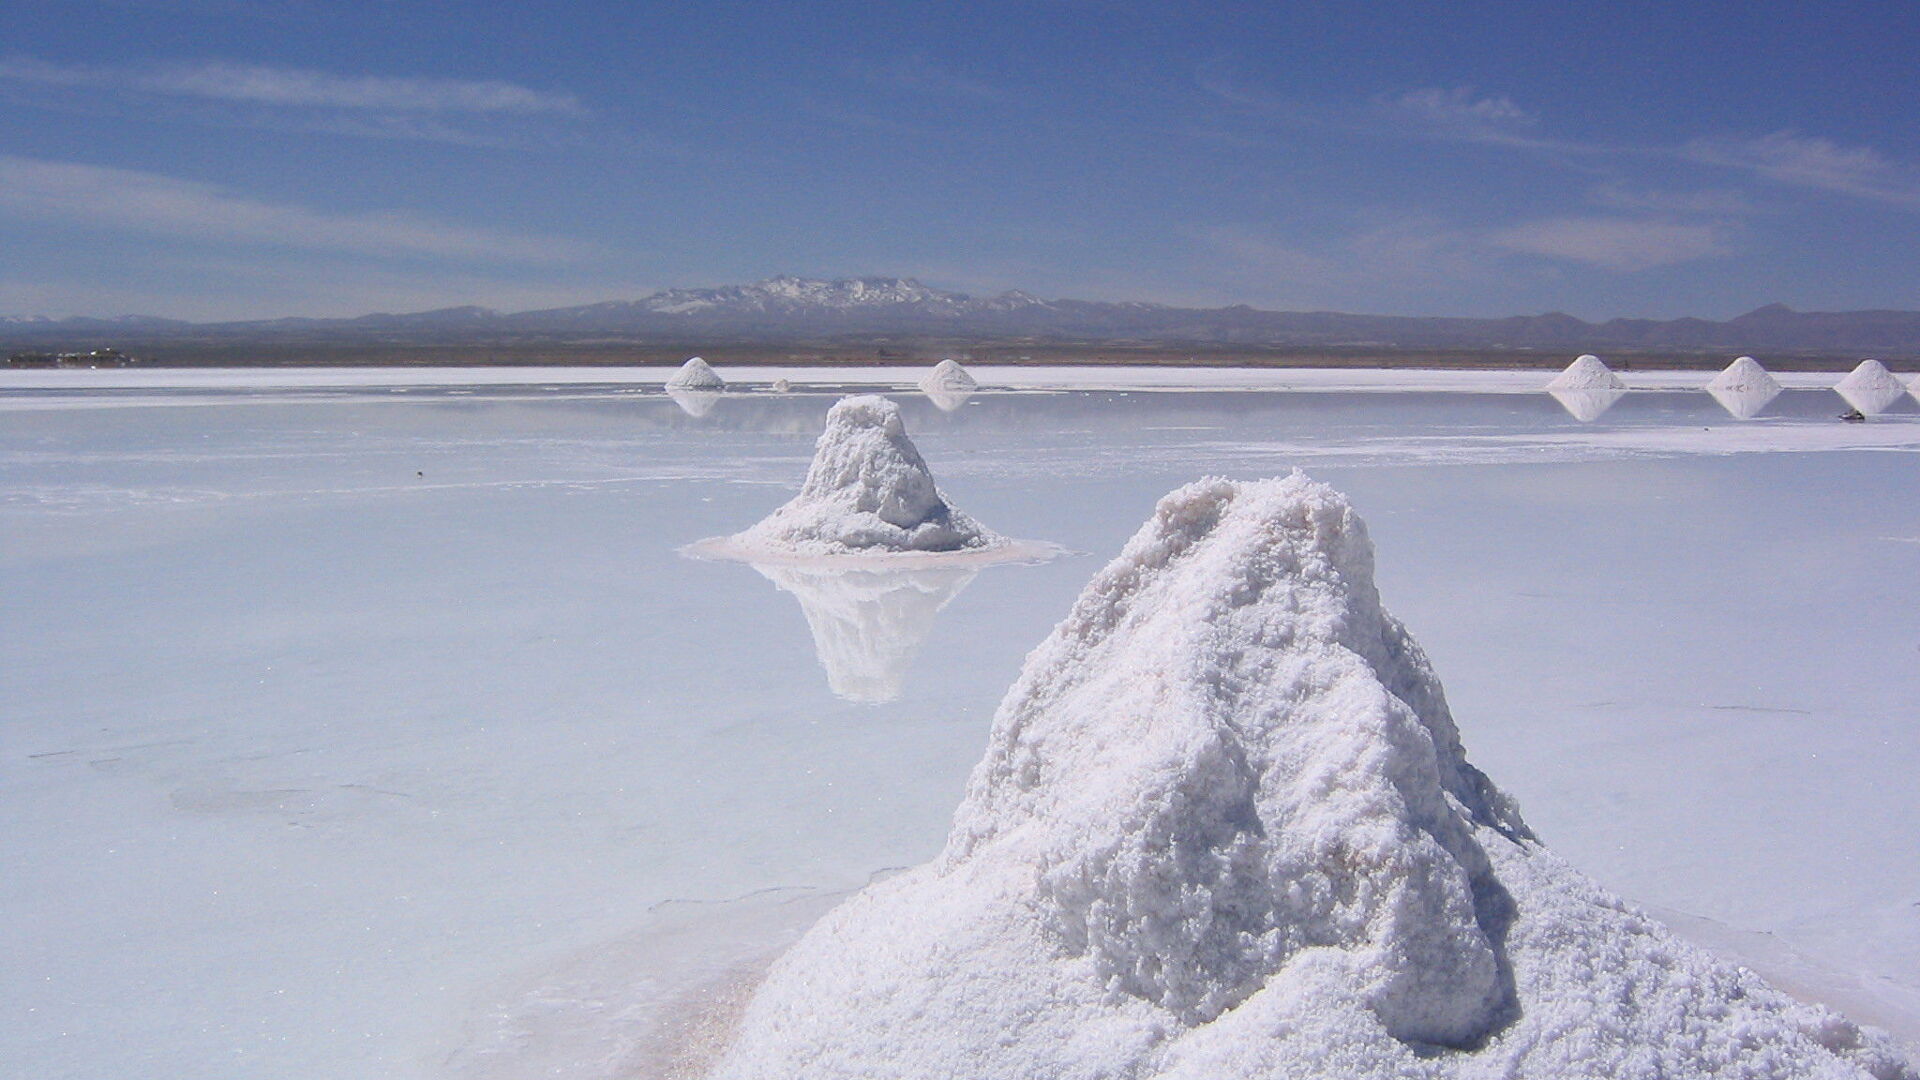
x: 338, y: 719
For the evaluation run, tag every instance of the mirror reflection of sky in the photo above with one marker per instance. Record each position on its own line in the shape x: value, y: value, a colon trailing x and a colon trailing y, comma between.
x: 278, y: 659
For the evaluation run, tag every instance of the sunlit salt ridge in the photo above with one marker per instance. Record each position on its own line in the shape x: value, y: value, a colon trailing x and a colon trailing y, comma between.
x: 1225, y: 828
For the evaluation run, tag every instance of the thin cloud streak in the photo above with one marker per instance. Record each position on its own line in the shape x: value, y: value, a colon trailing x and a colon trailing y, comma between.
x: 255, y: 84
x: 149, y: 202
x: 1613, y: 243
x: 1460, y: 109
x: 1805, y: 161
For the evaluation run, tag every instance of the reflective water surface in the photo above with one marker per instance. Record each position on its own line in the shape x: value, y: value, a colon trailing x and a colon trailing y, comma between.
x: 328, y: 718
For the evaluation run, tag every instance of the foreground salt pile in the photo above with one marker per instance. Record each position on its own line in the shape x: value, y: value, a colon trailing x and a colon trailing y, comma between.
x: 948, y: 385
x: 1744, y: 388
x: 1870, y: 387
x: 1587, y: 373
x: 1224, y: 829
x: 867, y: 492
x: 696, y: 374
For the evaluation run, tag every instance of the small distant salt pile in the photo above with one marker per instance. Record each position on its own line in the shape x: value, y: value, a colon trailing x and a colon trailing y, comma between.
x: 867, y: 492
x: 1744, y: 388
x: 696, y: 374
x: 1871, y: 388
x: 1225, y: 829
x: 948, y: 385
x: 1587, y: 373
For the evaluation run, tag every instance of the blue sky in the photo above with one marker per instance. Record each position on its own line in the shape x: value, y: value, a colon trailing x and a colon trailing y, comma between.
x: 243, y: 158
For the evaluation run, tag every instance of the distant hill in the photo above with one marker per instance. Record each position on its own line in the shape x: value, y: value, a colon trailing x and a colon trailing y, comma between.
x: 866, y: 310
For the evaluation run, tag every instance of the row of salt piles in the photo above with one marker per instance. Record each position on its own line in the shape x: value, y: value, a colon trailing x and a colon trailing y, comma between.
x: 1588, y: 388
x: 696, y: 387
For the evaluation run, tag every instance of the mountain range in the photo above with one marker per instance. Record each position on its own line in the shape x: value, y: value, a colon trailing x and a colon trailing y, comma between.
x: 880, y: 309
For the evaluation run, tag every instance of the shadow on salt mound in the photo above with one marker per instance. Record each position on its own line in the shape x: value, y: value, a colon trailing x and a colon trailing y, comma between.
x: 868, y: 624
x: 869, y: 497
x: 1225, y: 828
x: 659, y: 1004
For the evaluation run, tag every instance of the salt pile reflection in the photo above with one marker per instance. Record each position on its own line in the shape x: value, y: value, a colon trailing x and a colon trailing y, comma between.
x: 1586, y: 406
x: 868, y: 624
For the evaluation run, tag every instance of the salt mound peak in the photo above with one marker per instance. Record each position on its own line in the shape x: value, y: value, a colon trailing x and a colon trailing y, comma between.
x: 949, y: 376
x: 1744, y: 374
x: 868, y: 491
x: 1225, y: 828
x: 696, y: 374
x: 1587, y: 373
x: 1870, y: 387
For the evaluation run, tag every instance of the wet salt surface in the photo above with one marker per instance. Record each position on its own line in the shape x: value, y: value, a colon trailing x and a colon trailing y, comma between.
x: 338, y: 725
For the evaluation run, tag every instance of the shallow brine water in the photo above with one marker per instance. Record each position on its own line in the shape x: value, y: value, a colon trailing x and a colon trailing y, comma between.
x: 337, y: 727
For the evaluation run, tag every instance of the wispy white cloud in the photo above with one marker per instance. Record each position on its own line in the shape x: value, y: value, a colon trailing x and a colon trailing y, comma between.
x: 1460, y: 109
x: 152, y: 203
x: 256, y: 84
x: 1424, y: 255
x: 1610, y: 243
x: 1806, y: 161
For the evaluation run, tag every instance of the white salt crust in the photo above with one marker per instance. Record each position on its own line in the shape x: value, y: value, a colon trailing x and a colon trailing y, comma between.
x: 1225, y: 829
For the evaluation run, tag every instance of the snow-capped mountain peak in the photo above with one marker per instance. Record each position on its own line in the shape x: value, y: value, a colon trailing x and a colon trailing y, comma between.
x: 790, y: 295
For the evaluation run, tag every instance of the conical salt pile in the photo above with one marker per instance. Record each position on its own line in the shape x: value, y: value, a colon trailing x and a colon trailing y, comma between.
x: 1225, y: 829
x: 1587, y: 373
x: 1871, y: 388
x: 948, y: 385
x: 1744, y: 388
x: 867, y: 492
x: 696, y: 374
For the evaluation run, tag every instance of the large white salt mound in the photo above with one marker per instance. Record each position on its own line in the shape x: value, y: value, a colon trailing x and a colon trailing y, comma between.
x: 867, y: 492
x: 1744, y: 388
x: 696, y: 374
x: 1225, y: 829
x: 1587, y: 373
x: 1870, y: 387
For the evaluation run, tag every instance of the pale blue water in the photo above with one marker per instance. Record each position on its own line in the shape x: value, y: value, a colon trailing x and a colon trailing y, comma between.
x: 321, y: 713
